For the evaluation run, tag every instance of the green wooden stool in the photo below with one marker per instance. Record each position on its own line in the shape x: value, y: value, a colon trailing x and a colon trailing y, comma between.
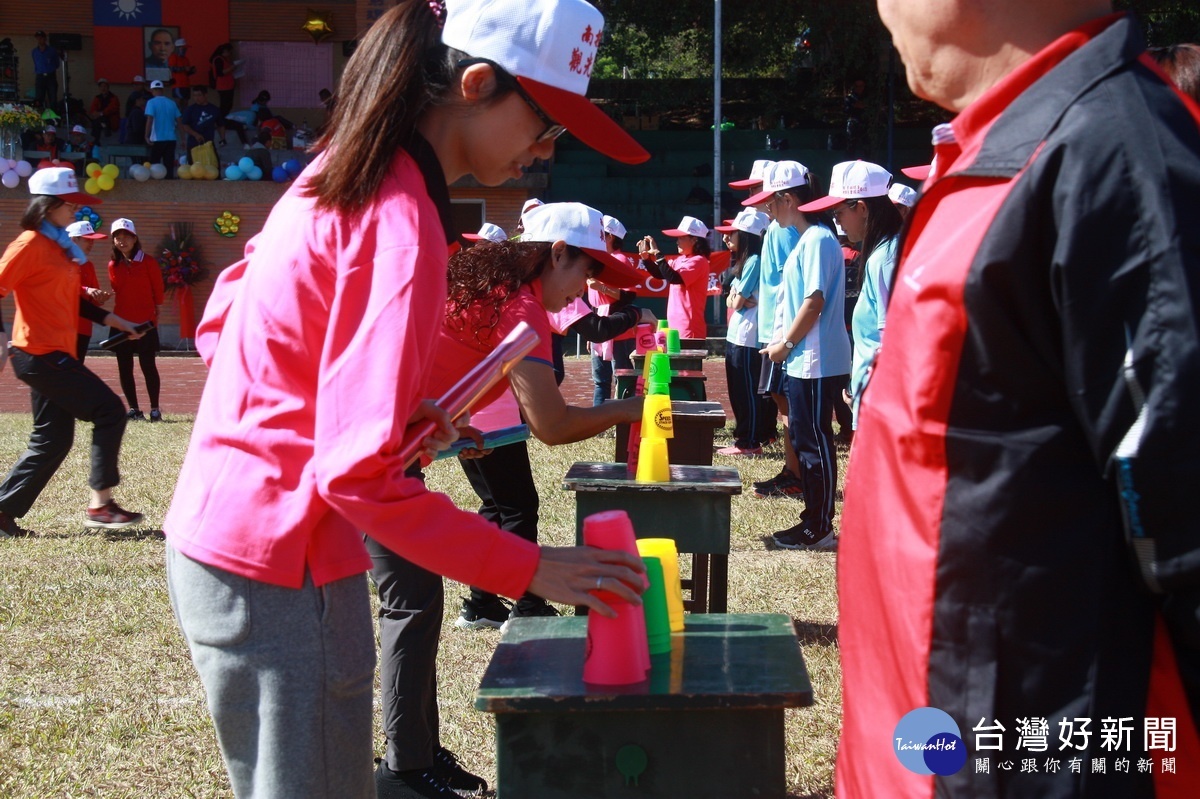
x: 707, y: 724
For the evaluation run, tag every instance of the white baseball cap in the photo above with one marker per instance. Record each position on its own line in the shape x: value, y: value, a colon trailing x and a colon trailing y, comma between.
x: 60, y: 182
x: 852, y: 180
x: 79, y: 129
x: 688, y: 226
x: 613, y: 225
x: 488, y: 232
x: 181, y: 42
x: 122, y: 224
x: 756, y: 175
x: 550, y: 47
x: 50, y: 129
x: 83, y: 230
x: 778, y: 177
x: 748, y: 220
x: 156, y: 84
x: 902, y: 195
x: 138, y: 79
x: 532, y: 202
x: 580, y: 226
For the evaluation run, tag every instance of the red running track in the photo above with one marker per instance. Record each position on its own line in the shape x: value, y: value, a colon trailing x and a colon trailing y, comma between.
x: 183, y: 381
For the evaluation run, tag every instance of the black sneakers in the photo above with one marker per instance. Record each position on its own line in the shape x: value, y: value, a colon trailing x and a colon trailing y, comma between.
x: 491, y: 611
x: 531, y: 605
x: 783, y: 484
x: 447, y: 767
x: 443, y: 781
x: 156, y: 415
x: 136, y: 415
x: 9, y: 527
x: 800, y: 537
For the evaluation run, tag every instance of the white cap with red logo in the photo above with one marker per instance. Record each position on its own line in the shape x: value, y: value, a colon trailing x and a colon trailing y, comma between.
x: 60, y: 182
x: 688, y: 226
x: 580, y: 226
x: 550, y: 47
x: 852, y: 180
x: 488, y: 232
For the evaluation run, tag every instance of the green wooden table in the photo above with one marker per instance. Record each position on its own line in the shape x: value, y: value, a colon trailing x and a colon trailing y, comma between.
x: 707, y: 724
x: 694, y: 509
x: 688, y: 386
x: 689, y: 360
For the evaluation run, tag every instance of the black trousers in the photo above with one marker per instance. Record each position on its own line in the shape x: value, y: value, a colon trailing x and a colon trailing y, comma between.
x: 410, y: 626
x: 753, y: 413
x: 810, y: 426
x: 62, y: 390
x: 81, y: 346
x: 146, y: 350
x: 45, y: 89
x: 163, y: 152
x: 504, y: 484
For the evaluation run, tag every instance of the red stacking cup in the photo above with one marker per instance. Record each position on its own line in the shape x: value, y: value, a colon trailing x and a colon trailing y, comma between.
x: 645, y: 341
x: 612, y: 642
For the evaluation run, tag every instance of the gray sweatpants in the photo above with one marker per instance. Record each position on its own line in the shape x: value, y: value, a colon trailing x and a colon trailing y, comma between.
x: 288, y: 673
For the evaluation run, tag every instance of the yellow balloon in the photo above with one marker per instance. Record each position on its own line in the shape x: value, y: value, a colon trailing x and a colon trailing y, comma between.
x: 226, y: 215
x: 211, y: 172
x: 104, y: 182
x: 91, y: 187
x: 146, y: 164
x: 235, y: 219
x: 184, y: 172
x: 93, y: 170
x: 233, y: 228
x: 112, y: 170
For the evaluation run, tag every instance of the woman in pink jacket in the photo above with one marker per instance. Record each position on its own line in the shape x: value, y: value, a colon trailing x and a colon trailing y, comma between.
x: 320, y: 343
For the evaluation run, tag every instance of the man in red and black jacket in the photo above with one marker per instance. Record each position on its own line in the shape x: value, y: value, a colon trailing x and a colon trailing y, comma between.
x: 1019, y: 540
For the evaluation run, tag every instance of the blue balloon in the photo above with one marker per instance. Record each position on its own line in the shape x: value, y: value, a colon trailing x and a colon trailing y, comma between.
x: 255, y: 173
x: 293, y: 167
x: 246, y: 163
x: 232, y: 172
x: 280, y: 175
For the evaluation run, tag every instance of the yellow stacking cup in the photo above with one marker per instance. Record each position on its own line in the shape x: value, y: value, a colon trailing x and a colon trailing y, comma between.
x: 664, y: 549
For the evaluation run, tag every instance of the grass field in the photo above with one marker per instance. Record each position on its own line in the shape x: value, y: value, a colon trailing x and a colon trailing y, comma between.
x: 98, y: 697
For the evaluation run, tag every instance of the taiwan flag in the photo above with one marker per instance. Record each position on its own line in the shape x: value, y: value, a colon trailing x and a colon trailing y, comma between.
x: 122, y: 29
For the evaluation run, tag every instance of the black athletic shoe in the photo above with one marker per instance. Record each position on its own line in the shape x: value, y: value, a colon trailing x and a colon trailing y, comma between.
x: 9, y: 527
x: 135, y: 414
x: 489, y: 612
x: 800, y: 537
x: 415, y: 784
x: 156, y: 415
x: 451, y: 772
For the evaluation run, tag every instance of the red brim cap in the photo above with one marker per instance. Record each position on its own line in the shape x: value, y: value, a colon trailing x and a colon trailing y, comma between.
x: 748, y: 183
x: 79, y: 198
x: 676, y: 233
x: 616, y: 273
x: 472, y: 237
x: 757, y: 199
x: 823, y: 204
x: 917, y: 172
x: 724, y: 228
x: 93, y: 236
x: 586, y: 122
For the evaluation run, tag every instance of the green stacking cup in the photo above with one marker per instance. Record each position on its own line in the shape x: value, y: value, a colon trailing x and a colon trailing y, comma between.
x: 672, y: 341
x: 654, y: 604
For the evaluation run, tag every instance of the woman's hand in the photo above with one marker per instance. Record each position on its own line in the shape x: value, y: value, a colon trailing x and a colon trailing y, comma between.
x: 98, y: 296
x: 647, y: 317
x: 446, y: 431
x: 570, y: 575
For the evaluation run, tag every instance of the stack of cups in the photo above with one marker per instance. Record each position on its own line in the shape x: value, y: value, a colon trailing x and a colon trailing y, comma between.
x: 645, y: 341
x: 673, y: 341
x: 655, y: 609
x: 664, y: 550
x: 617, y: 649
x: 660, y: 335
x: 657, y: 425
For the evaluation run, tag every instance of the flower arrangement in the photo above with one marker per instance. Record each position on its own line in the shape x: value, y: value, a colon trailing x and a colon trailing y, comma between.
x: 15, y: 115
x: 180, y: 259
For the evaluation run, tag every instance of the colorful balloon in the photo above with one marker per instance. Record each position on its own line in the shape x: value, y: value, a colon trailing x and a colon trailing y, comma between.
x: 112, y: 170
x: 10, y: 179
x: 232, y: 172
x: 280, y: 175
x: 105, y: 182
x: 93, y: 170
x: 91, y: 187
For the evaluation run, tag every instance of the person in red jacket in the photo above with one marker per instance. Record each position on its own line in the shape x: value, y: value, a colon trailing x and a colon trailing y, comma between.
x: 89, y: 286
x: 1019, y: 581
x: 137, y: 281
x: 105, y: 112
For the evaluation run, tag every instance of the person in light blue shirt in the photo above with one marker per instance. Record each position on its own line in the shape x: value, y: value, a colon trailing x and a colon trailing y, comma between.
x: 754, y: 415
x: 780, y: 181
x: 860, y: 201
x: 163, y: 127
x: 814, y: 348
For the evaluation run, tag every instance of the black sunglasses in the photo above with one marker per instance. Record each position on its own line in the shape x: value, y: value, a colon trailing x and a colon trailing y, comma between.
x: 505, y: 80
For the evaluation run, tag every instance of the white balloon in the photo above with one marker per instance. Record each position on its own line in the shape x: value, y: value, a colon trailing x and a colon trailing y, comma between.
x: 139, y: 173
x: 158, y: 171
x: 10, y: 179
x: 24, y: 169
x: 11, y: 163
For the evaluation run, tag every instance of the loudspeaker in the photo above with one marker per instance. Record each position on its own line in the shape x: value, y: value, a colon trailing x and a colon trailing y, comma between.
x: 66, y: 41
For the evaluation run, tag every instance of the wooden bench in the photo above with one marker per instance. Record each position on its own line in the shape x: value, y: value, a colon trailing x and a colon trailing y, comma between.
x: 707, y: 724
x: 684, y: 360
x: 134, y: 152
x: 693, y: 509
